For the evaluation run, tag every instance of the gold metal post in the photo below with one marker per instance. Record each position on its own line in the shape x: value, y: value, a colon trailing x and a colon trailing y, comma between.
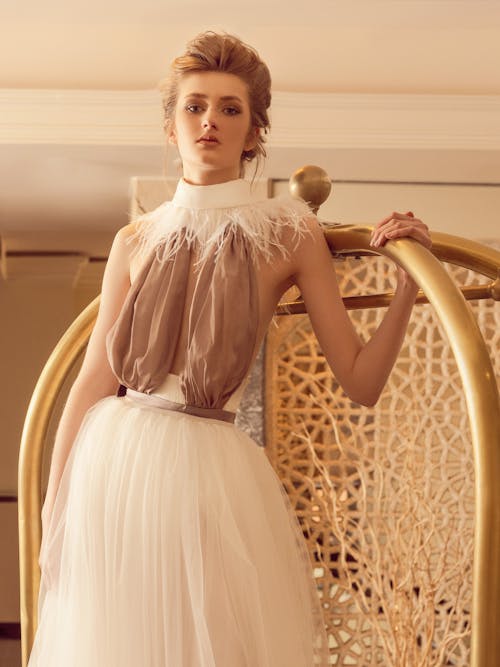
x: 481, y: 392
x: 47, y: 389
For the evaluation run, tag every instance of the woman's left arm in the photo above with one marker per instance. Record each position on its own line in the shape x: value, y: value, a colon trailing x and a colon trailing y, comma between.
x: 361, y: 369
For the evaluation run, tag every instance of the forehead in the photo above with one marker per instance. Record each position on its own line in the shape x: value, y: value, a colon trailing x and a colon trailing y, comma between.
x: 213, y: 85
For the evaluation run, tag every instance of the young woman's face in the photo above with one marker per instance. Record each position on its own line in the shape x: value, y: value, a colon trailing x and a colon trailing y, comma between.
x: 212, y: 126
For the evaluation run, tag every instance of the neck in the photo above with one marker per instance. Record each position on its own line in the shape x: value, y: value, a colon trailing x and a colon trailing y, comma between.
x: 210, y: 177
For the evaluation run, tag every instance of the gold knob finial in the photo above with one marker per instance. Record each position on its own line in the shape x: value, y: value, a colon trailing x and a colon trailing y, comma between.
x: 312, y: 184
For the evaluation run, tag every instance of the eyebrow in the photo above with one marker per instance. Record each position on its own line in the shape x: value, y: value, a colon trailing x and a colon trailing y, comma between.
x: 224, y: 98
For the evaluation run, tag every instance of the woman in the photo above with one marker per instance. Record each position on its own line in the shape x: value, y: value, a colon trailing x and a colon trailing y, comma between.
x: 168, y: 539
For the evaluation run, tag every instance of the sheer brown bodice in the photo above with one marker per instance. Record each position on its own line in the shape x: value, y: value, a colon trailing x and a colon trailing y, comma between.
x: 222, y: 324
x: 220, y: 244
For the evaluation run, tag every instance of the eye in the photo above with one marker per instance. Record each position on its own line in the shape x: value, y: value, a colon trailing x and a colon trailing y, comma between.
x: 193, y: 108
x: 231, y: 111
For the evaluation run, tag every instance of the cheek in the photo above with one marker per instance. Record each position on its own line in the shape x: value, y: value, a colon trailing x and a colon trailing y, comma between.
x: 183, y: 125
x: 240, y: 131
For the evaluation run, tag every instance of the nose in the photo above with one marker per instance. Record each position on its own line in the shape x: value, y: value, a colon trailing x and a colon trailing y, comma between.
x: 208, y: 123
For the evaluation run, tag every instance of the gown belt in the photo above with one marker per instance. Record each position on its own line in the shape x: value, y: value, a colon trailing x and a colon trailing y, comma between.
x: 166, y: 404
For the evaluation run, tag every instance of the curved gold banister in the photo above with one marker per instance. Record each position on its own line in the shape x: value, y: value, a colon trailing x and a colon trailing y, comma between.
x: 345, y: 240
x: 59, y: 365
x: 483, y: 404
x: 463, y: 252
x: 481, y: 394
x: 480, y: 390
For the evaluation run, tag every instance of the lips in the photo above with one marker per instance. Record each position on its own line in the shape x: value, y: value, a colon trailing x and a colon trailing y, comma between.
x: 208, y: 139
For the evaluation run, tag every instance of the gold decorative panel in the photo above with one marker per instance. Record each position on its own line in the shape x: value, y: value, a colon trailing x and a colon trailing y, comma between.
x: 385, y: 495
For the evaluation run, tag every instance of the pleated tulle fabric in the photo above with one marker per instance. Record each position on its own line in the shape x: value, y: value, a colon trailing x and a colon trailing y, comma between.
x: 173, y: 544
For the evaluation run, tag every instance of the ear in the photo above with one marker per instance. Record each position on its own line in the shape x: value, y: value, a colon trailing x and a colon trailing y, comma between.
x: 171, y: 134
x: 172, y: 137
x: 252, y: 138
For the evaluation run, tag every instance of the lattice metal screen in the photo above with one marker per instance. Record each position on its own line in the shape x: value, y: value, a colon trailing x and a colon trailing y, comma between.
x: 385, y: 495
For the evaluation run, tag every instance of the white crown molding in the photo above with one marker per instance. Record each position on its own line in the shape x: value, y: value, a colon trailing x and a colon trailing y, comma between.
x: 386, y: 121
x: 299, y: 120
x: 82, y: 117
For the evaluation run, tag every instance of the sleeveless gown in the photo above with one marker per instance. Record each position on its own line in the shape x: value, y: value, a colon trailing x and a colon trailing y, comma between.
x: 172, y: 542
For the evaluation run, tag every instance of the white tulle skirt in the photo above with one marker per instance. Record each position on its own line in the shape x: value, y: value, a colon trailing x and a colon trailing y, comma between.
x: 173, y: 544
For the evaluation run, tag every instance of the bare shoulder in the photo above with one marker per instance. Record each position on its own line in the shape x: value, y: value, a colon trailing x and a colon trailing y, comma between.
x: 279, y: 272
x: 307, y: 247
x: 129, y: 229
x: 129, y: 239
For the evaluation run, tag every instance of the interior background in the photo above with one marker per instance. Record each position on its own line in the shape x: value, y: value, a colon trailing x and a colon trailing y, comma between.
x: 399, y: 100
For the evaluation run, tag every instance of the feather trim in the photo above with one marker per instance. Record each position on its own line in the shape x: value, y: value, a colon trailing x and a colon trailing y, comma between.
x: 260, y: 222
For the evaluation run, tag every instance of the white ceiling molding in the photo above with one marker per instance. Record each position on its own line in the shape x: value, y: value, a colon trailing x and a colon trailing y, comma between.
x: 116, y: 118
x: 386, y: 121
x: 299, y: 120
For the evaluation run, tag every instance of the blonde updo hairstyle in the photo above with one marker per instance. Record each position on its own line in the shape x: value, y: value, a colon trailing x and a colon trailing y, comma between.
x: 214, y: 52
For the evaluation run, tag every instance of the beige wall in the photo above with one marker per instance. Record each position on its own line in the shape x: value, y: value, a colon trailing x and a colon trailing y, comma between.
x: 464, y: 210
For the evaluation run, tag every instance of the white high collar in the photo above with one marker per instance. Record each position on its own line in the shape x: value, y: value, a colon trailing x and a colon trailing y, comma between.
x: 220, y: 195
x: 211, y: 214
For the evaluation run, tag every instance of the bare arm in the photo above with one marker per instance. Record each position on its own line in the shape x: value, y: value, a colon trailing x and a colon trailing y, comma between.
x: 95, y: 379
x: 362, y: 370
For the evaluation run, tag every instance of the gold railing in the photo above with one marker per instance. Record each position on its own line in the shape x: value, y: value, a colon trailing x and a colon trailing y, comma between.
x: 352, y: 241
x: 47, y: 389
x: 479, y: 386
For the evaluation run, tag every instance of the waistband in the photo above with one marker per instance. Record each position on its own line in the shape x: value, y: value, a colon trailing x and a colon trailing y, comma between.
x: 166, y: 404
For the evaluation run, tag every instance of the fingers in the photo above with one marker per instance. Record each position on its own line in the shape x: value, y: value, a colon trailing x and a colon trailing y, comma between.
x: 417, y: 233
x: 394, y: 216
x: 400, y: 225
